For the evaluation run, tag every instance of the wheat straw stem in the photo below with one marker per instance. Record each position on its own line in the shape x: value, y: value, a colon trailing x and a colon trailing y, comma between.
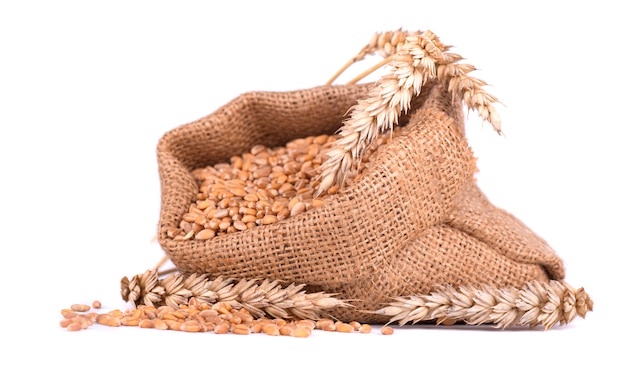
x: 167, y: 271
x: 360, y: 56
x: 341, y: 70
x: 370, y: 70
x: 161, y: 262
x: 384, y: 43
x: 536, y: 303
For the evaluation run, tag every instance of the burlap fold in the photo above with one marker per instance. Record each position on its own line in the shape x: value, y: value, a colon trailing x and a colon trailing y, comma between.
x: 414, y: 221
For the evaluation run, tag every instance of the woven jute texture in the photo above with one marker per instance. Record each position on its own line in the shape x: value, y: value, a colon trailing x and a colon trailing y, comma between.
x: 415, y: 220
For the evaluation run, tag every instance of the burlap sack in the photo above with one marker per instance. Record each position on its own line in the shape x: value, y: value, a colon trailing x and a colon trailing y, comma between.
x: 414, y: 221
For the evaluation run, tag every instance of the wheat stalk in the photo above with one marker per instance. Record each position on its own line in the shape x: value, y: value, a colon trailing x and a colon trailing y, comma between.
x: 259, y: 298
x: 385, y: 44
x: 536, y: 303
x: 420, y: 57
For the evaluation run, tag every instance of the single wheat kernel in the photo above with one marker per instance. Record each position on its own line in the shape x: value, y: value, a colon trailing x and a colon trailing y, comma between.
x: 116, y: 313
x: 222, y: 328
x: 66, y: 322
x: 164, y: 309
x: 113, y: 321
x: 269, y: 219
x: 149, y: 311
x: 80, y: 307
x: 301, y: 332
x: 241, y: 329
x: 343, y: 327
x: 68, y: 313
x: 293, y: 202
x: 320, y: 323
x: 283, y: 214
x: 193, y: 303
x: 208, y: 314
x: 159, y: 324
x: 365, y: 328
x: 176, y: 326
x: 256, y: 327
x: 146, y: 324
x: 135, y: 313
x: 205, y: 234
x: 169, y: 317
x: 249, y: 218
x: 130, y: 321
x: 280, y: 322
x: 222, y: 213
x: 96, y: 304
x: 320, y: 139
x: 298, y: 208
x: 170, y: 323
x: 239, y: 225
x: 386, y: 330
x: 74, y: 326
x: 244, y: 316
x: 328, y: 327
x: 306, y: 323
x: 109, y: 320
x: 191, y: 326
x: 286, y: 330
x: 270, y: 329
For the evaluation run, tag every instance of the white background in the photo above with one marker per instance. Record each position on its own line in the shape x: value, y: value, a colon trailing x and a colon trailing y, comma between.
x: 88, y: 88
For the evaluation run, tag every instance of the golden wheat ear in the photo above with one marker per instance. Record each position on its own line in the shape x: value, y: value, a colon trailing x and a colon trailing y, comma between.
x: 266, y: 298
x: 536, y: 303
x: 416, y: 58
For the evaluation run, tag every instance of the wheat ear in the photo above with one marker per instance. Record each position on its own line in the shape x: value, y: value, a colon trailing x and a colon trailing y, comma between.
x: 419, y: 58
x: 259, y: 298
x: 536, y: 303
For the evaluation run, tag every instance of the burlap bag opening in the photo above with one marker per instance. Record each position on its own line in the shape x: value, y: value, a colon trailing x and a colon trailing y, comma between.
x: 415, y: 220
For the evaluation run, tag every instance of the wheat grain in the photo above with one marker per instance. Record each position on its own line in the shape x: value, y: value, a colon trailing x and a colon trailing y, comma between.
x: 80, y: 307
x: 277, y: 184
x: 197, y: 316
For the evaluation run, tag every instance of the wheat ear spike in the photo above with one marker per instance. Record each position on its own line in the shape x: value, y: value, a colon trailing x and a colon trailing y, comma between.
x: 536, y: 303
x: 418, y: 58
x: 259, y: 298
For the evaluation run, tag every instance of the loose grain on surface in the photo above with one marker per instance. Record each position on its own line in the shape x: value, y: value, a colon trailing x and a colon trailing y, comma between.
x: 199, y: 317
